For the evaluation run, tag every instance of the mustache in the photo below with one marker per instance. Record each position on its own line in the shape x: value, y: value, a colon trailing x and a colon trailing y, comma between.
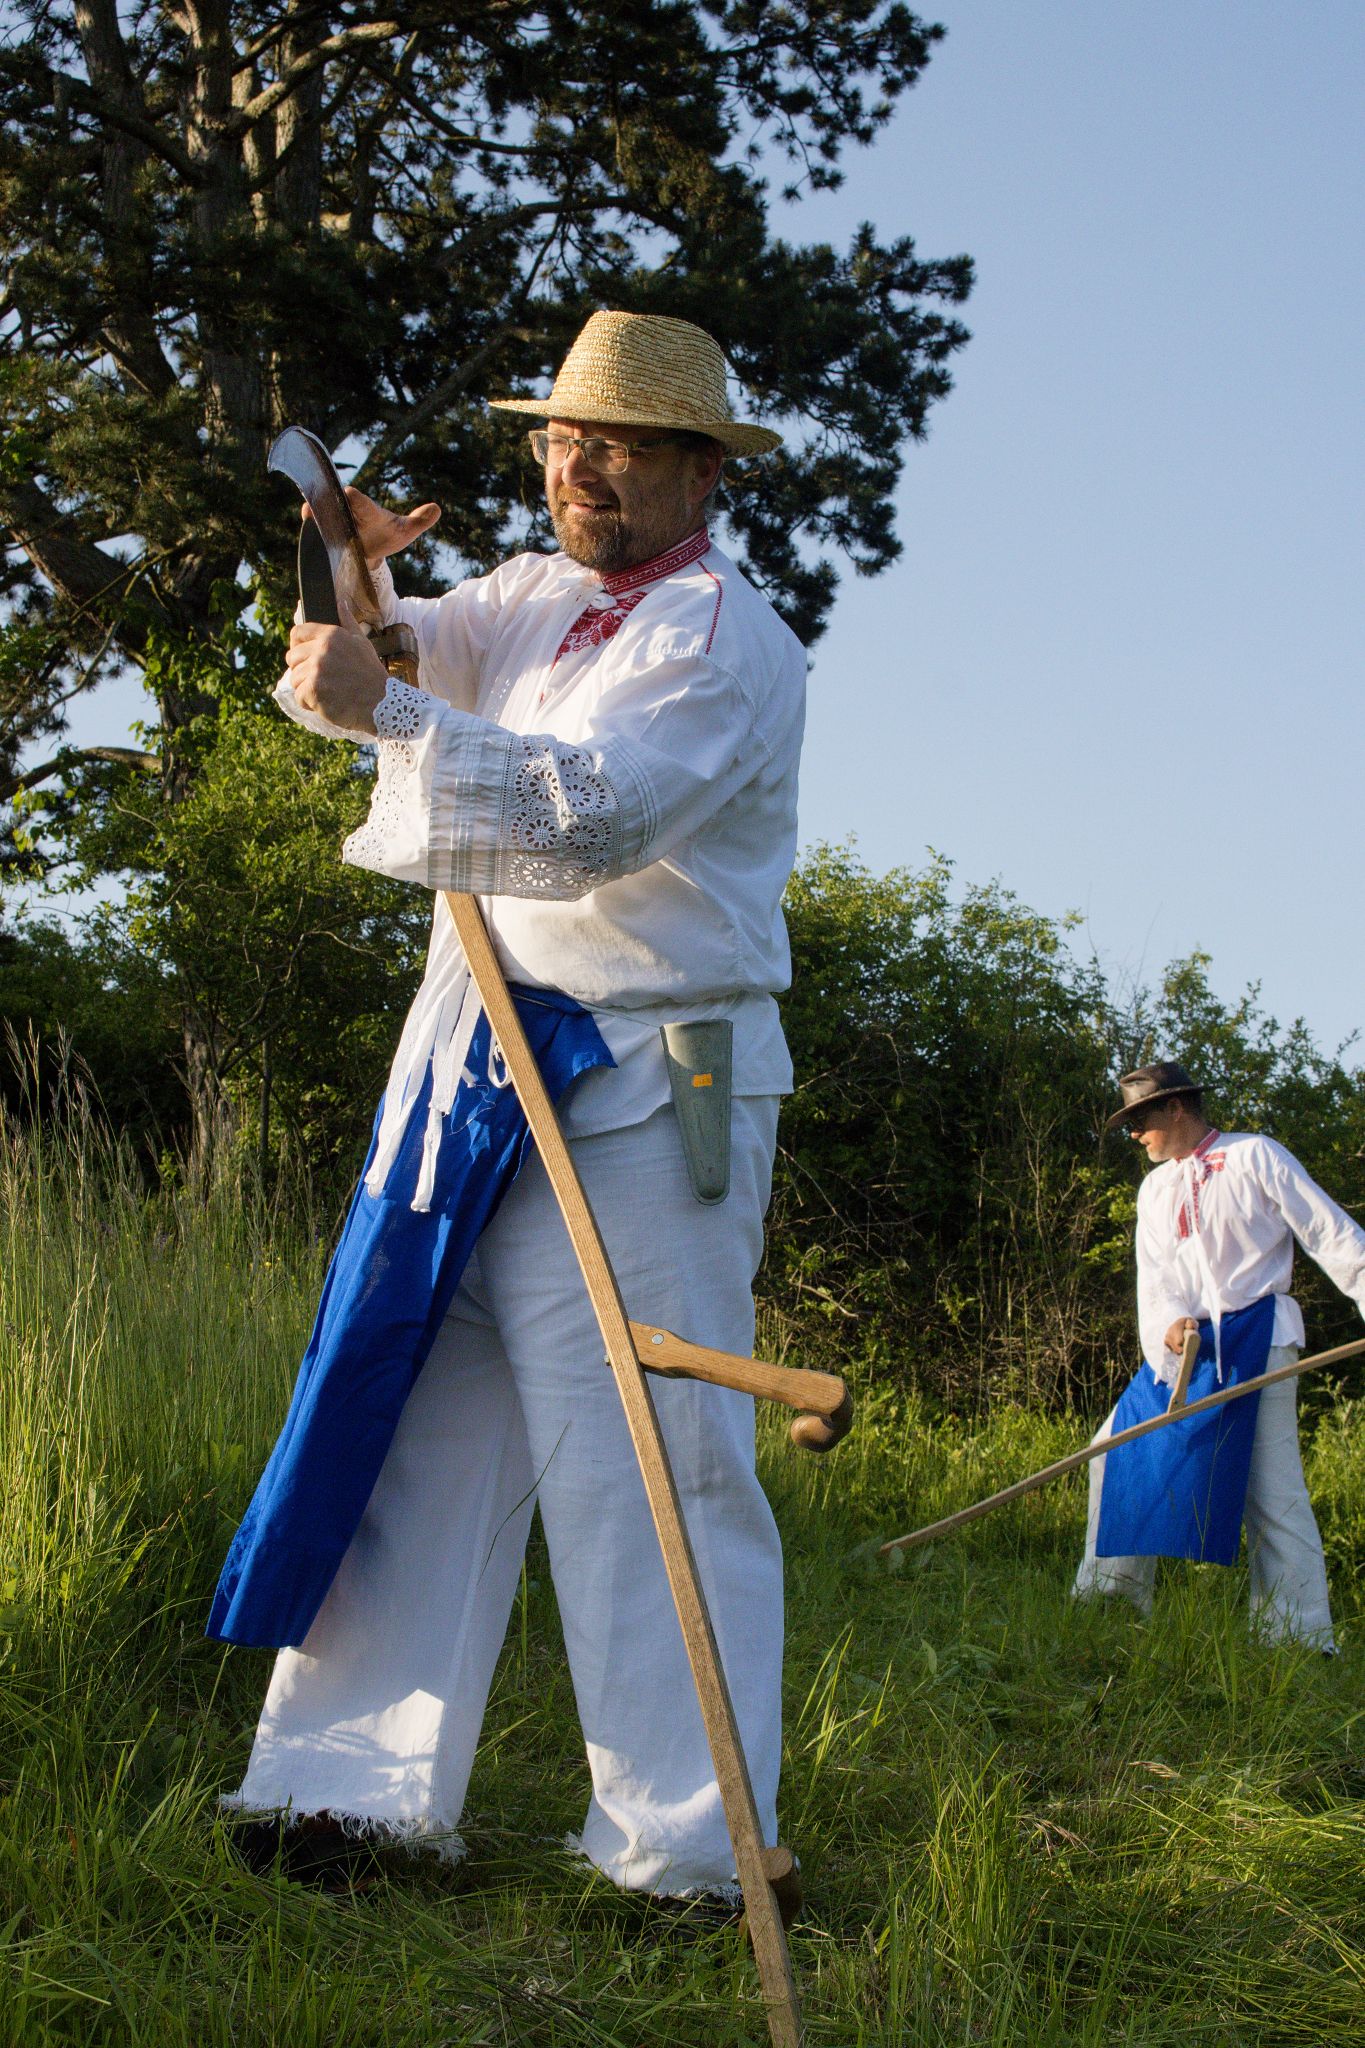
x: 563, y: 499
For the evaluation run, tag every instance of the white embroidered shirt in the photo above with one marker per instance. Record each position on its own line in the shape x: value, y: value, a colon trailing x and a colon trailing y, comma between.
x: 611, y: 764
x: 1216, y: 1231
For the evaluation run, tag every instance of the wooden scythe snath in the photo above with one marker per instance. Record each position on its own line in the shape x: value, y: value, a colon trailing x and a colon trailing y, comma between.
x: 1178, y: 1411
x: 331, y: 560
x: 718, y: 1714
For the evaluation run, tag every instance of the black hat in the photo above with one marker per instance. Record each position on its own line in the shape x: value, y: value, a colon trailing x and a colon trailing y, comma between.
x: 1146, y: 1086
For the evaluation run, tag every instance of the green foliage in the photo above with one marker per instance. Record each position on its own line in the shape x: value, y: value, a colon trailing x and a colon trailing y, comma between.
x: 283, y: 957
x: 69, y: 1015
x: 942, y: 1195
x: 946, y: 1207
x: 294, y: 970
x: 1022, y: 1821
x: 276, y: 976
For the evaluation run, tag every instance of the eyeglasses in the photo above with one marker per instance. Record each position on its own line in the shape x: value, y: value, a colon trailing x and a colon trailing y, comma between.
x: 608, y: 458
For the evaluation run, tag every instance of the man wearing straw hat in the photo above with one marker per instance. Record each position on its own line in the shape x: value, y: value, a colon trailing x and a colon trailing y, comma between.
x: 1216, y: 1225
x: 603, y: 746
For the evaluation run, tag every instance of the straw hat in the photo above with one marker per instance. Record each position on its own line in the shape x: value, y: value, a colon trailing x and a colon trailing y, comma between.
x: 643, y: 369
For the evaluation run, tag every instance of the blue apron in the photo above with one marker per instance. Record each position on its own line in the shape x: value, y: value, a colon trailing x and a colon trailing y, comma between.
x: 1180, y: 1492
x: 392, y: 1277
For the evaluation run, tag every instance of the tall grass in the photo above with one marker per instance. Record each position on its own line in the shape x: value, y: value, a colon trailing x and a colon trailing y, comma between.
x: 1022, y: 1821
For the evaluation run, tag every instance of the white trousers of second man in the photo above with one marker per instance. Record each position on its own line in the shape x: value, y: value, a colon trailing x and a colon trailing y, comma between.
x: 1289, y: 1601
x: 376, y: 1718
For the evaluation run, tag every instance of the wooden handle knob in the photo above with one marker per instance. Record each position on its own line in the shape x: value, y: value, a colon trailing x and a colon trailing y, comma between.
x: 823, y: 1432
x: 783, y: 1874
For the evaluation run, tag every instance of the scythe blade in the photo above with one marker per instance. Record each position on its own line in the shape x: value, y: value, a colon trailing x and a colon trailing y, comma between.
x: 336, y: 568
x: 332, y: 566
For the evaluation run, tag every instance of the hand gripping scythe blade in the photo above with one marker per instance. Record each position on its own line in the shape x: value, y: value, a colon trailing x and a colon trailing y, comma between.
x: 300, y: 456
x: 332, y: 562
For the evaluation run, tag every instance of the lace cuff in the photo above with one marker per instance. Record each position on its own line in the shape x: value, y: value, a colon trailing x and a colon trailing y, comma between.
x: 385, y: 840
x: 562, y: 821
x: 400, y: 711
x: 461, y: 803
x: 517, y: 814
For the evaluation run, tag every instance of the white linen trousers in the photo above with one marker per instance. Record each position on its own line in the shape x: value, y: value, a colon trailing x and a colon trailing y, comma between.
x: 1289, y: 1600
x: 376, y: 1717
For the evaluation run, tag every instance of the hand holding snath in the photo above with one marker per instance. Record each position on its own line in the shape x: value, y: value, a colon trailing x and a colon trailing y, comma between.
x: 336, y: 673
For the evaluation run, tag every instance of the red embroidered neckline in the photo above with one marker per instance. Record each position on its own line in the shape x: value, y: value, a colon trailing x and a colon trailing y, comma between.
x: 1211, y: 1162
x: 689, y: 550
x: 598, y: 623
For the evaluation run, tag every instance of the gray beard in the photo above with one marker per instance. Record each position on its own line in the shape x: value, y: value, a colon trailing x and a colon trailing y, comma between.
x: 605, y: 550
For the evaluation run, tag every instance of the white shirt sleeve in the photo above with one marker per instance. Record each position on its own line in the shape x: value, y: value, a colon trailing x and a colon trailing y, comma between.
x: 453, y: 630
x: 1163, y: 1298
x: 462, y: 803
x: 1330, y: 1237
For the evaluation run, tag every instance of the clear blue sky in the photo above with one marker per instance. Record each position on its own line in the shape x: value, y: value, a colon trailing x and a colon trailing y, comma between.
x: 1119, y: 664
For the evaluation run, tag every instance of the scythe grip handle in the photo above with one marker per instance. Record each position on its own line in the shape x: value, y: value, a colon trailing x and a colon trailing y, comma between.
x: 396, y: 647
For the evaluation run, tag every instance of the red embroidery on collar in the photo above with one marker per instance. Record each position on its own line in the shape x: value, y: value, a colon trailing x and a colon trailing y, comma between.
x: 689, y: 550
x: 1209, y: 1162
x: 598, y: 623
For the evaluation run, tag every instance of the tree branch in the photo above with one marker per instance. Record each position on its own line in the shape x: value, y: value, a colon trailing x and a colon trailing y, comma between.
x: 303, y: 67
x: 457, y: 137
x: 77, y: 569
x: 403, y: 430
x: 459, y: 378
x: 89, y: 100
x: 301, y: 17
x: 535, y: 209
x: 437, y: 123
x: 76, y: 757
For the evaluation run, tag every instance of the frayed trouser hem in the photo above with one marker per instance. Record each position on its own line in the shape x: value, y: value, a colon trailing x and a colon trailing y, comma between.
x: 382, y: 1831
x: 715, y: 1891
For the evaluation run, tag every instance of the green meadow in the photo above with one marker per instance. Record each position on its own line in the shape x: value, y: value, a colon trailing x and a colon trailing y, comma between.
x: 1022, y: 1821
